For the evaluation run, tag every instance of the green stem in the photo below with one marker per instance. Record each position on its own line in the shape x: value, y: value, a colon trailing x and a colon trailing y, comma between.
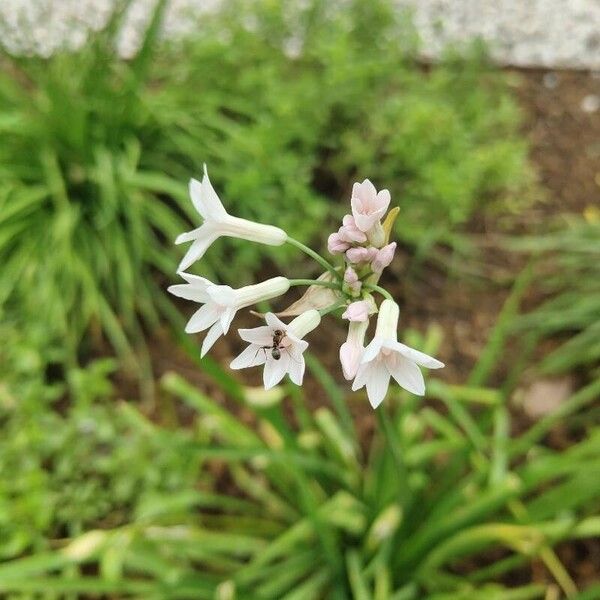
x: 327, y: 284
x: 316, y: 256
x: 377, y: 288
x: 332, y: 308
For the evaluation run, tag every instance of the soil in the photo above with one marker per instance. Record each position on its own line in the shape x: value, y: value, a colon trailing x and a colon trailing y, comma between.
x: 565, y: 151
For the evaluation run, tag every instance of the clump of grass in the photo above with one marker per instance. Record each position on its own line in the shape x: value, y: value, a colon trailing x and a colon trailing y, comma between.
x: 568, y: 268
x: 314, y: 510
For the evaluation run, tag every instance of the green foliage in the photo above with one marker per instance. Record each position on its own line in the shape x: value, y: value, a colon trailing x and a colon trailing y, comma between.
x: 287, y: 102
x: 316, y: 510
x: 569, y: 275
x: 65, y: 470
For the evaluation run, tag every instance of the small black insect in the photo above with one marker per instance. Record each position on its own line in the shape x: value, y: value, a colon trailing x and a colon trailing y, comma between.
x: 278, y: 336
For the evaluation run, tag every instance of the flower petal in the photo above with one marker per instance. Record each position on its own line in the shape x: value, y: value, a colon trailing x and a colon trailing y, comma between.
x: 188, y: 236
x: 227, y: 318
x: 419, y: 357
x: 275, y: 322
x: 383, y: 200
x: 407, y: 374
x: 275, y: 370
x: 262, y: 336
x: 205, y: 199
x: 372, y: 350
x: 203, y: 318
x: 211, y: 203
x: 188, y: 292
x: 361, y: 376
x: 198, y: 248
x: 251, y: 356
x: 214, y: 333
x: 377, y: 384
x: 297, y: 367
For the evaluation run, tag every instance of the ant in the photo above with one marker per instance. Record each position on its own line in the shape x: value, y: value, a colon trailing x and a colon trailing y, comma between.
x: 278, y: 337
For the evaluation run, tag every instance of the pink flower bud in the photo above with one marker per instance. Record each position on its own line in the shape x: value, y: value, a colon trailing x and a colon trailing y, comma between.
x: 349, y: 232
x: 361, y: 255
x: 350, y: 276
x: 383, y: 258
x: 352, y: 281
x: 357, y: 311
x: 336, y: 245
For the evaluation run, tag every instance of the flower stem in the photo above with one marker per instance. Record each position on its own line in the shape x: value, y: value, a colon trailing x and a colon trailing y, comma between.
x: 316, y: 256
x: 327, y: 284
x: 332, y: 308
x: 377, y: 288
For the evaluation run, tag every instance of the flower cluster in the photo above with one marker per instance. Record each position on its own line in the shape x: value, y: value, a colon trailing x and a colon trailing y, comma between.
x: 363, y: 240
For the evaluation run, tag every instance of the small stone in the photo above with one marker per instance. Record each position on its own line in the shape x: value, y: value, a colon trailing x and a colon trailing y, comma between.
x: 591, y: 103
x: 544, y: 396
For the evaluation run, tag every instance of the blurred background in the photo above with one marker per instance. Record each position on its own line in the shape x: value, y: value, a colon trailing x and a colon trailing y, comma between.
x: 131, y: 468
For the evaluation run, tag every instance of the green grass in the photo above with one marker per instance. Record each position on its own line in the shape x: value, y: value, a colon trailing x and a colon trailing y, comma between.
x: 97, y: 152
x: 568, y: 275
x: 441, y: 503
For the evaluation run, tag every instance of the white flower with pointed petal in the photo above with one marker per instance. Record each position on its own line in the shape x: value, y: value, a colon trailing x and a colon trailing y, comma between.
x: 289, y: 358
x: 217, y: 223
x: 221, y: 302
x: 385, y: 357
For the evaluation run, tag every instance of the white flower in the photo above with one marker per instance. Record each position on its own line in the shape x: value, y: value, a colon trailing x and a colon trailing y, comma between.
x: 221, y: 302
x: 278, y: 346
x: 385, y: 357
x: 218, y: 223
x: 368, y: 205
x: 351, y: 351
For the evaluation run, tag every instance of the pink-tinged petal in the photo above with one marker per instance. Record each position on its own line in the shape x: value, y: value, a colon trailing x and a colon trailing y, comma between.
x: 296, y: 367
x: 188, y: 292
x: 383, y: 200
x: 361, y: 255
x: 367, y: 190
x: 350, y: 355
x: 419, y: 357
x: 203, y: 318
x: 350, y: 276
x: 197, y: 249
x: 372, y: 350
x: 214, y: 333
x: 275, y: 370
x: 262, y: 336
x: 189, y: 236
x: 407, y: 374
x: 349, y: 232
x: 336, y: 245
x: 357, y: 311
x: 383, y: 258
x: 377, y: 384
x: 275, y: 322
x: 251, y: 356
